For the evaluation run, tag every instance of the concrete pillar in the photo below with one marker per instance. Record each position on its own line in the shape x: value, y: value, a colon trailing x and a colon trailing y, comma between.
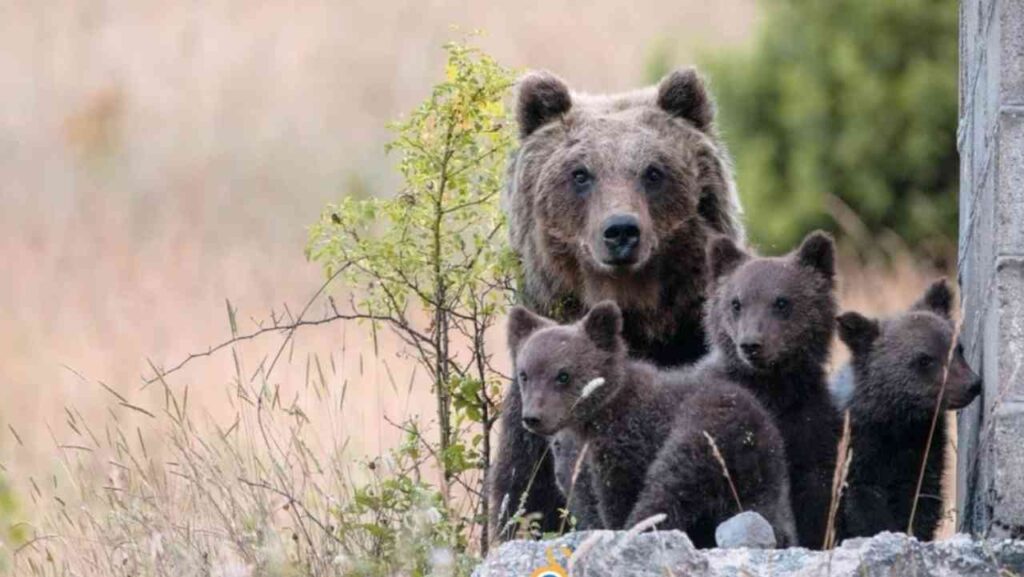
x: 990, y: 137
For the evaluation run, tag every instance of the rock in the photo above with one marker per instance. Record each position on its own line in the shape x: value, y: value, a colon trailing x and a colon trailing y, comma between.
x: 656, y: 554
x: 596, y: 553
x: 748, y: 529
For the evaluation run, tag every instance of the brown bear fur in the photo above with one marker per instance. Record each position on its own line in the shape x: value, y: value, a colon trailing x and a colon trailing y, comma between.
x: 647, y: 430
x: 651, y: 154
x: 898, y: 367
x: 771, y: 322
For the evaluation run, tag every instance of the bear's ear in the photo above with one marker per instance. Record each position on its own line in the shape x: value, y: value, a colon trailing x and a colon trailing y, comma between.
x: 818, y: 251
x: 937, y: 299
x: 724, y: 256
x: 857, y: 331
x: 603, y: 325
x: 682, y: 94
x: 542, y: 97
x: 521, y: 324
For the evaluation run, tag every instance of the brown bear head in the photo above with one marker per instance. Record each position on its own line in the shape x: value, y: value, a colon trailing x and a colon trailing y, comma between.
x: 773, y: 314
x: 566, y: 372
x: 615, y: 197
x: 901, y: 364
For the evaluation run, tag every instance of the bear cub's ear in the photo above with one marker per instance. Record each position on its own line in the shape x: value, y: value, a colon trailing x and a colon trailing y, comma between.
x: 937, y: 299
x: 542, y: 97
x: 724, y: 256
x: 682, y: 94
x: 857, y: 331
x: 603, y: 325
x: 818, y: 251
x: 521, y: 324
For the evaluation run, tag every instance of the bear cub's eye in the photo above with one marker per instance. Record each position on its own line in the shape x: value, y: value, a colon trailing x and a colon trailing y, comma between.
x: 781, y: 304
x: 562, y: 378
x: 581, y: 179
x: 653, y: 176
x: 925, y: 362
x: 736, y: 306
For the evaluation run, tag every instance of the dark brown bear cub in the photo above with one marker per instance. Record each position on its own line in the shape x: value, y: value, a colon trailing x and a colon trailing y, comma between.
x: 771, y: 322
x: 578, y: 378
x: 899, y: 366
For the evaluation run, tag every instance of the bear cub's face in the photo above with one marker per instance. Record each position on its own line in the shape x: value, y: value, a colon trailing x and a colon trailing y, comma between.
x: 900, y: 363
x: 617, y: 182
x: 561, y: 369
x: 768, y: 312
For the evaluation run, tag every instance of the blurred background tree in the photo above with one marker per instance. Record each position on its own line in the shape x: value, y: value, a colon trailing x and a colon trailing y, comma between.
x: 842, y: 115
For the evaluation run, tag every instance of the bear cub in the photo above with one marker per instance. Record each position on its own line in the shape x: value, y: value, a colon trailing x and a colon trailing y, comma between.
x: 898, y: 367
x: 771, y: 322
x: 577, y: 378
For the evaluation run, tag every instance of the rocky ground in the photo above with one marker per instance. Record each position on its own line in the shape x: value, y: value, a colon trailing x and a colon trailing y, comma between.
x: 670, y: 553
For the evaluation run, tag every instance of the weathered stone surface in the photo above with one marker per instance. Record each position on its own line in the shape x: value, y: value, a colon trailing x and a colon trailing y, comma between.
x: 597, y: 553
x: 1011, y: 23
x: 748, y: 529
x: 1010, y: 196
x: 990, y: 485
x: 622, y: 554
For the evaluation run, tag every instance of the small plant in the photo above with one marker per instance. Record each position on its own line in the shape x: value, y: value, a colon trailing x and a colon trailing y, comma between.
x: 431, y: 263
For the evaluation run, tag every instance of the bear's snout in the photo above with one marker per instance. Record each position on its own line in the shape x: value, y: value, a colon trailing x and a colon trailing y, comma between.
x: 531, y: 422
x: 620, y: 236
x: 964, y: 385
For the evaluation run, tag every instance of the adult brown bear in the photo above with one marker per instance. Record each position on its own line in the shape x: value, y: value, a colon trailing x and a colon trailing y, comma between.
x: 609, y: 197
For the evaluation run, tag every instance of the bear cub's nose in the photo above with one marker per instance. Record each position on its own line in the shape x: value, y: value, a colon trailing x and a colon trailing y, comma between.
x: 621, y: 237
x: 751, y: 350
x: 976, y: 387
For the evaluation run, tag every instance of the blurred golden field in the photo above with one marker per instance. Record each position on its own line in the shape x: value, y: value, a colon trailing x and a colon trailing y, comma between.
x: 158, y: 160
x: 161, y: 158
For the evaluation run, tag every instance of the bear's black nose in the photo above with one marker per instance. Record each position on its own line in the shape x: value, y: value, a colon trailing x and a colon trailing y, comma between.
x: 751, y: 350
x: 621, y: 236
x: 975, y: 387
x: 531, y: 422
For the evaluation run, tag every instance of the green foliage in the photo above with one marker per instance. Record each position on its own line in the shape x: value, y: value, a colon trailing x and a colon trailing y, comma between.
x: 12, y: 534
x: 846, y: 104
x: 439, y: 247
x: 401, y: 520
x: 440, y: 238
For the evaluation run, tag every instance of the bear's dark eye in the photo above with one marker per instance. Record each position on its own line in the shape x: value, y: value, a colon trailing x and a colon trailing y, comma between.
x: 522, y: 376
x: 653, y: 176
x: 562, y: 378
x: 581, y: 179
x: 736, y: 306
x: 781, y: 304
x: 924, y: 362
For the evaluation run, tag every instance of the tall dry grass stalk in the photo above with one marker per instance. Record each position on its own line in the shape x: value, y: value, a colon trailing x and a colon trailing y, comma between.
x: 576, y: 470
x: 271, y: 490
x: 725, y: 469
x: 839, y: 476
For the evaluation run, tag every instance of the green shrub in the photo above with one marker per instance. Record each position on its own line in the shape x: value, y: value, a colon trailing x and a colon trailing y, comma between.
x: 840, y: 105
